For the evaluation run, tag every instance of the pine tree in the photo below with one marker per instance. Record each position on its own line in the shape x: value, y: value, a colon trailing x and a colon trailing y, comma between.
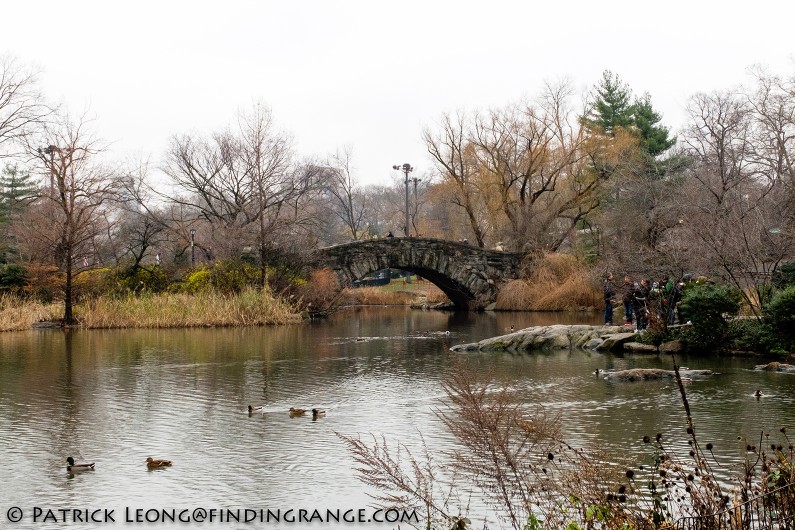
x: 613, y: 106
x: 16, y: 191
x: 654, y: 137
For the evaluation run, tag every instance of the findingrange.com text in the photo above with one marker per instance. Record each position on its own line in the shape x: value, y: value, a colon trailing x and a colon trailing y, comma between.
x: 134, y: 515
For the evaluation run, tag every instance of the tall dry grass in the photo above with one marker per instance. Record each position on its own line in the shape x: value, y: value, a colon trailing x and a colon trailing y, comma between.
x: 558, y: 282
x: 17, y: 314
x: 252, y: 307
x: 376, y: 296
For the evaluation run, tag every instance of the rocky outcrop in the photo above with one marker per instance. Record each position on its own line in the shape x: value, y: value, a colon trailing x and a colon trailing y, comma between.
x: 607, y: 338
x: 775, y: 367
x: 651, y: 374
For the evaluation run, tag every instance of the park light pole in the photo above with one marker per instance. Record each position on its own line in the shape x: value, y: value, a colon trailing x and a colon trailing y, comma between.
x: 415, y: 180
x: 406, y: 168
x: 192, y: 246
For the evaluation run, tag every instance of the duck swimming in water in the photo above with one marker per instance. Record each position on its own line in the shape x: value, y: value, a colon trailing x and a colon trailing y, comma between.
x: 317, y: 413
x: 252, y: 410
x: 758, y: 394
x: 71, y: 467
x: 297, y: 412
x: 151, y: 463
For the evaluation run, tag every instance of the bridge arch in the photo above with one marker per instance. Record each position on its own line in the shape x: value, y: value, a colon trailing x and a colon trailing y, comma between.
x: 469, y: 276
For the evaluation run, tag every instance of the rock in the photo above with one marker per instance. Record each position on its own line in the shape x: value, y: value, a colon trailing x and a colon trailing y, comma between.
x: 652, y: 374
x: 615, y: 342
x: 775, y: 367
x: 549, y: 338
x: 672, y: 346
x: 640, y: 347
x: 593, y: 344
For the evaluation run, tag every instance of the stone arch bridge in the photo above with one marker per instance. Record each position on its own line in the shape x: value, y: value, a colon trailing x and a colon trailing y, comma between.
x: 469, y: 276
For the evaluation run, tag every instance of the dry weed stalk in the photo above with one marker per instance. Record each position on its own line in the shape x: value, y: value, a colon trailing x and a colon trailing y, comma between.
x: 517, y: 458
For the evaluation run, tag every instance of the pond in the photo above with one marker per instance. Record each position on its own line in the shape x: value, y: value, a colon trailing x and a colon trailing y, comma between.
x: 118, y: 397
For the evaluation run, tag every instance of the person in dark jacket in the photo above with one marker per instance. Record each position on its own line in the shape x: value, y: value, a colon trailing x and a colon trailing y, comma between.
x: 626, y: 297
x: 640, y: 295
x: 610, y: 294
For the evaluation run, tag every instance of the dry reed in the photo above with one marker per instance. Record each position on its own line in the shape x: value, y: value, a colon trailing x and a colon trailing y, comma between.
x: 17, y: 314
x: 249, y: 308
x: 558, y: 282
x: 377, y: 296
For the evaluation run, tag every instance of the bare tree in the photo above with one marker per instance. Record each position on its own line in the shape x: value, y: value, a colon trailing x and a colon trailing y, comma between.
x: 21, y: 104
x: 454, y: 156
x: 737, y: 207
x: 71, y: 211
x: 243, y: 186
x: 349, y: 204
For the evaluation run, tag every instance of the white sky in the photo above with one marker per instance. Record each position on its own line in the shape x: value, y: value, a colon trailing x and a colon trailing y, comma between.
x: 372, y: 74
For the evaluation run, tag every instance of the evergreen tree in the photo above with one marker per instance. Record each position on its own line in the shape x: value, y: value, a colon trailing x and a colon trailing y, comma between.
x: 16, y: 191
x: 613, y: 106
x: 654, y: 137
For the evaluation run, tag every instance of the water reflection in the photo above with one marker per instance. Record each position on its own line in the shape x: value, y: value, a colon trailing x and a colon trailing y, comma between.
x: 117, y: 397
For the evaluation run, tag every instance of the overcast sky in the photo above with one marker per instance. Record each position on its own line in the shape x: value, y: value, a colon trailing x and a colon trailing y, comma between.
x: 372, y: 74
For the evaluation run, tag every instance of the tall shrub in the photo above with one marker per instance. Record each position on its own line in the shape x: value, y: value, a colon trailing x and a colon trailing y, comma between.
x: 708, y: 306
x: 780, y: 320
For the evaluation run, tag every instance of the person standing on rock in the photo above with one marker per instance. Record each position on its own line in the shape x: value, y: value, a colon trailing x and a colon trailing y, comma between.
x: 626, y: 298
x: 610, y: 294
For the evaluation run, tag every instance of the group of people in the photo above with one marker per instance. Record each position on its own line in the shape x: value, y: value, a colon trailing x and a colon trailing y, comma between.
x: 644, y: 301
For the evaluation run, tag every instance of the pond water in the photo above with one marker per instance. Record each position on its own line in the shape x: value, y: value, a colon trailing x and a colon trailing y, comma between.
x: 117, y: 397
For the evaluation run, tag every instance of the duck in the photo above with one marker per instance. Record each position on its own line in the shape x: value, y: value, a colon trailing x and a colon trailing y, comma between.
x: 71, y: 467
x: 252, y: 410
x: 317, y: 413
x: 297, y: 412
x: 758, y: 394
x: 152, y: 463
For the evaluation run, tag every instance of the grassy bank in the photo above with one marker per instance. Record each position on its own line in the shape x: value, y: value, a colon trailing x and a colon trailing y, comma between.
x: 249, y: 308
x: 394, y: 293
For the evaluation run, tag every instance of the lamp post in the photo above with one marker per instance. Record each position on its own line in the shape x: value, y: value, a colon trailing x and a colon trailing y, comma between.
x: 415, y: 180
x: 406, y: 168
x: 192, y: 247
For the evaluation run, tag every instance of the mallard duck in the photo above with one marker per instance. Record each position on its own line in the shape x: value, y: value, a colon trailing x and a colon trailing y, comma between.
x: 316, y: 413
x: 252, y: 410
x: 154, y: 464
x: 758, y: 394
x: 297, y: 412
x: 71, y: 467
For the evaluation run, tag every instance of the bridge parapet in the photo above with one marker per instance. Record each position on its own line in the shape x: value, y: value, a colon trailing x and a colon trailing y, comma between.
x: 469, y: 276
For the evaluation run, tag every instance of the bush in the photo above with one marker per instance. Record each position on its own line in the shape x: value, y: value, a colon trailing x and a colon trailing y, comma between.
x: 142, y: 279
x: 234, y: 275
x: 705, y: 306
x: 747, y: 334
x: 320, y: 292
x: 784, y: 276
x: 780, y: 320
x: 13, y: 278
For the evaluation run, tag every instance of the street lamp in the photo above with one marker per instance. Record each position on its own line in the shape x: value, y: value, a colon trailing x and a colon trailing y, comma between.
x: 192, y: 247
x: 406, y: 168
x: 415, y: 180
